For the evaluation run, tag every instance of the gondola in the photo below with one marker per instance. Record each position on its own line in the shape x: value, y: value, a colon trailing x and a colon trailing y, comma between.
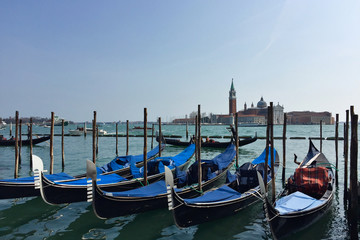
x: 11, y: 142
x: 75, y: 190
x: 207, y: 144
x: 25, y: 187
x: 113, y: 204
x: 307, y: 196
x: 241, y: 191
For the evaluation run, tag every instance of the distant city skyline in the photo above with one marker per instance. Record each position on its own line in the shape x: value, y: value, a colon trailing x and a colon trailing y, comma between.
x: 118, y: 57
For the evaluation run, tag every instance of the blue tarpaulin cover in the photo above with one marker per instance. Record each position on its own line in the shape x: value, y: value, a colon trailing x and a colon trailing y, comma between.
x: 170, y: 162
x: 223, y: 193
x: 102, y: 179
x: 52, y: 177
x: 295, y: 202
x: 124, y: 161
x: 261, y: 158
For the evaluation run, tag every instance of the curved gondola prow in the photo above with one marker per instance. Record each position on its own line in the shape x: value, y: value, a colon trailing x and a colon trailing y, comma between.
x: 38, y: 169
x: 169, y: 182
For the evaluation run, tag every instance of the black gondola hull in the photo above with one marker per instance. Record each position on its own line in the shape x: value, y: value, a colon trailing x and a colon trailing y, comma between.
x: 15, y: 190
x: 11, y: 142
x: 109, y: 206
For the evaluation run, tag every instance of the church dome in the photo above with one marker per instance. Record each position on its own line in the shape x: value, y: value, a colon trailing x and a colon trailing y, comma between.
x: 262, y: 103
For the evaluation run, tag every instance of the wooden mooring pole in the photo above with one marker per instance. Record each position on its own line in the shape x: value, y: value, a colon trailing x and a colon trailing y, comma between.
x: 16, y: 145
x: 84, y: 129
x: 237, y: 140
x: 52, y: 144
x: 94, y: 137
x: 267, y: 150
x: 20, y: 141
x: 160, y: 137
x: 127, y: 137
x: 199, y: 150
x: 117, y: 132
x: 272, y: 152
x: 187, y: 131
x: 152, y: 136
x: 62, y: 144
x: 320, y: 135
x: 284, y: 149
x: 353, y: 211
x: 31, y: 143
x: 337, y: 149
x: 346, y: 156
x: 145, y: 146
x: 10, y: 130
x: 97, y: 139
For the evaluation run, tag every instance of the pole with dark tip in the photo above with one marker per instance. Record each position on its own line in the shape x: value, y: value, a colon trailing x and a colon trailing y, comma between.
x: 116, y: 147
x: 284, y: 149
x: 237, y: 140
x: 199, y: 150
x: 52, y: 144
x: 337, y: 149
x: 346, y: 156
x: 16, y: 145
x: 84, y: 129
x: 127, y: 137
x: 160, y: 137
x: 145, y: 146
x: 94, y: 137
x: 31, y: 143
x: 187, y: 130
x: 97, y: 139
x: 353, y: 178
x: 62, y: 145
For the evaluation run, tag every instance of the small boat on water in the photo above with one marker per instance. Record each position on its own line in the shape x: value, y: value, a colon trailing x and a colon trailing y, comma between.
x: 11, y: 141
x: 80, y: 131
x: 75, y: 190
x: 113, y: 204
x: 307, y: 196
x: 2, y: 125
x: 241, y: 190
x: 25, y: 186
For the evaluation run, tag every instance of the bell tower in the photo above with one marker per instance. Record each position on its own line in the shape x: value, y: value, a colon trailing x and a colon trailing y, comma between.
x: 232, y: 99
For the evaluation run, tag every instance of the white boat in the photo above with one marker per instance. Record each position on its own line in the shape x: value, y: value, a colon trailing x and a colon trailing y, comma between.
x: 80, y: 131
x: 2, y: 124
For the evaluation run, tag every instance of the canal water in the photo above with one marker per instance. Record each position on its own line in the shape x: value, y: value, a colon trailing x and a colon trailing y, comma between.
x: 31, y: 218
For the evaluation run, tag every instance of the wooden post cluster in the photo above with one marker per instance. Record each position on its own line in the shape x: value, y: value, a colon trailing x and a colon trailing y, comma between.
x: 145, y: 146
x: 52, y: 144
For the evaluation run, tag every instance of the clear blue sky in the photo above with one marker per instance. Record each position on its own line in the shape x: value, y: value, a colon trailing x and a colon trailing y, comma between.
x: 117, y: 57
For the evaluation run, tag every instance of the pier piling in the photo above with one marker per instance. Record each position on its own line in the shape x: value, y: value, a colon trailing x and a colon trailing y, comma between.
x: 346, y: 156
x: 320, y: 135
x: 20, y: 141
x: 16, y: 145
x: 272, y: 151
x: 127, y: 137
x: 31, y: 143
x: 94, y: 137
x: 145, y: 146
x: 284, y: 149
x: 52, y: 144
x: 337, y: 149
x: 116, y: 145
x: 160, y: 136
x: 199, y: 150
x: 62, y: 145
x: 353, y: 211
x: 237, y: 140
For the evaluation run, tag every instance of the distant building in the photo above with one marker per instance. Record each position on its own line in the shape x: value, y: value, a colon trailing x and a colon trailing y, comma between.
x: 308, y: 118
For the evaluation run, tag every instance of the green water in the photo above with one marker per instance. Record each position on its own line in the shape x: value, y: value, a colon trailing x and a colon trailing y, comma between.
x: 31, y: 218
